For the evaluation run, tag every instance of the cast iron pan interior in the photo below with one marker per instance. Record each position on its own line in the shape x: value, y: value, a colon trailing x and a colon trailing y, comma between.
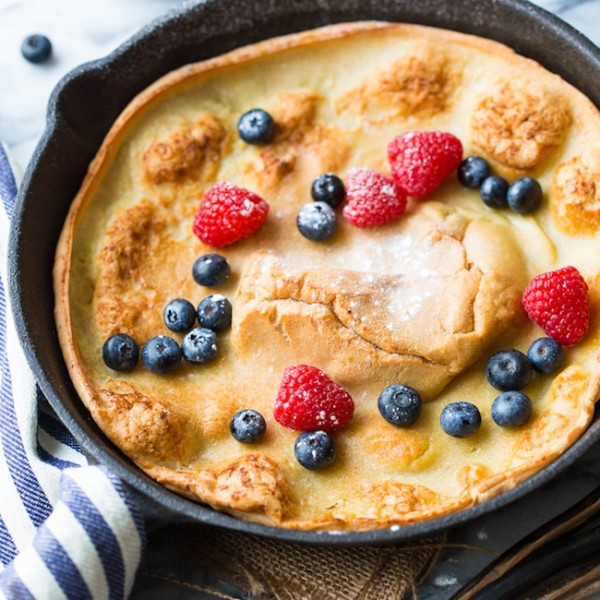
x: 86, y: 102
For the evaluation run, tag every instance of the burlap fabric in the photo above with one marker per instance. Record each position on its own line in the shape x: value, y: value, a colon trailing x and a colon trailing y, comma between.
x: 206, y: 562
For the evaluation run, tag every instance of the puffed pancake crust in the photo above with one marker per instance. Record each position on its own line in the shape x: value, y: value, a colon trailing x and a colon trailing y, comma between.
x: 424, y: 300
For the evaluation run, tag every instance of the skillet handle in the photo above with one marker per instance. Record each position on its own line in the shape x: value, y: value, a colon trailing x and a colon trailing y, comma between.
x: 563, y: 541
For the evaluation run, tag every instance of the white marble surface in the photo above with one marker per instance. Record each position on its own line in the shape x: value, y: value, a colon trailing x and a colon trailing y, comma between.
x: 82, y: 30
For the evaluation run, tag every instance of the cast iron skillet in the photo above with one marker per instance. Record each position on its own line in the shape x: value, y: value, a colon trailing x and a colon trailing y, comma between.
x: 88, y: 99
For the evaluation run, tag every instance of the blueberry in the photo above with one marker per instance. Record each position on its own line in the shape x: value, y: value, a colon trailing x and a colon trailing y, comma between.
x: 120, y: 352
x: 546, y: 355
x: 248, y: 426
x: 328, y: 188
x: 316, y: 221
x: 399, y: 405
x: 472, y: 171
x: 214, y: 312
x: 256, y: 126
x: 493, y: 191
x: 460, y: 419
x: 511, y: 409
x: 524, y: 195
x: 179, y: 315
x: 314, y: 449
x: 161, y: 354
x: 36, y: 48
x: 200, y: 345
x: 509, y: 370
x: 211, y: 270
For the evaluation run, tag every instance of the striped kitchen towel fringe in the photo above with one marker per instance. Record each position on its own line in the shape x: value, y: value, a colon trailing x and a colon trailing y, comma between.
x: 68, y: 530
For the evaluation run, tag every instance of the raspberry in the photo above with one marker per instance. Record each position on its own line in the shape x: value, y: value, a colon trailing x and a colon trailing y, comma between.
x: 373, y: 198
x: 558, y: 302
x: 228, y: 214
x: 421, y: 160
x: 309, y: 400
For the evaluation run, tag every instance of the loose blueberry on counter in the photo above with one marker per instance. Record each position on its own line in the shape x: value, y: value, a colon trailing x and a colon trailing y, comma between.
x: 161, y: 354
x: 524, y: 195
x: 511, y: 409
x: 399, y: 405
x: 317, y: 221
x: 248, y: 426
x: 472, y: 171
x: 256, y: 126
x: 36, y: 48
x: 493, y: 191
x: 460, y: 419
x: 200, y: 345
x: 328, y: 188
x: 546, y: 355
x: 509, y: 370
x: 211, y: 270
x: 179, y: 315
x: 120, y: 352
x: 214, y: 312
x: 314, y: 449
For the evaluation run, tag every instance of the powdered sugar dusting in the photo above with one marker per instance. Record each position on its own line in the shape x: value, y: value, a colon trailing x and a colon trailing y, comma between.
x: 399, y: 254
x: 247, y: 208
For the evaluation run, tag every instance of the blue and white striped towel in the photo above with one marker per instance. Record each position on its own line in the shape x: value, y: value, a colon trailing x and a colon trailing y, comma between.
x: 67, y: 529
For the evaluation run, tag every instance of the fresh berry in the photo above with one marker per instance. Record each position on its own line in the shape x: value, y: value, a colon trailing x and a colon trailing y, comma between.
x: 36, y: 48
x: 558, y: 302
x: 228, y: 214
x: 511, y: 409
x: 399, y: 405
x: 472, y: 171
x: 509, y: 370
x: 546, y: 355
x: 200, y: 345
x: 161, y: 354
x: 314, y: 449
x: 317, y: 221
x: 179, y: 315
x: 493, y: 191
x: 373, y: 198
x: 308, y: 400
x: 248, y: 426
x: 120, y: 352
x: 524, y: 195
x: 422, y: 160
x: 256, y: 126
x: 211, y: 270
x: 460, y: 419
x: 328, y: 188
x: 214, y: 312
